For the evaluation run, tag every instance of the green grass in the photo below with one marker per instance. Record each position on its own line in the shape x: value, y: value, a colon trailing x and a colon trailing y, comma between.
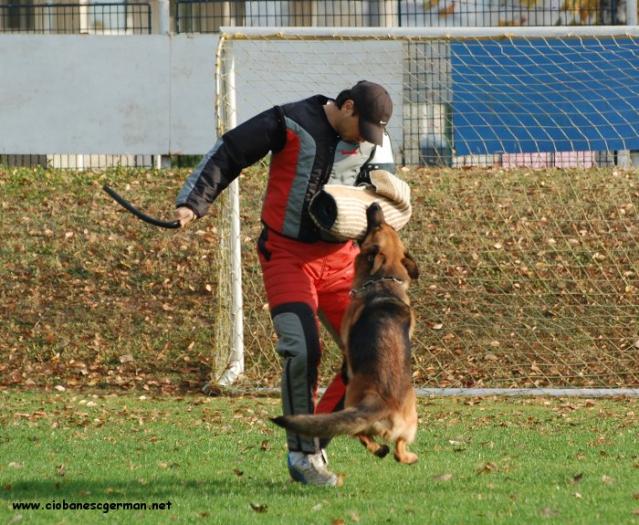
x: 219, y: 460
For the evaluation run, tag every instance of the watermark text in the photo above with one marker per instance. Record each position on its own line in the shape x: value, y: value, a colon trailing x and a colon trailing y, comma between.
x: 102, y: 506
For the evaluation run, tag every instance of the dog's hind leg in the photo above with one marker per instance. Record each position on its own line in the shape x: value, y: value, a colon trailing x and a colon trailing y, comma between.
x: 402, y: 454
x: 373, y: 446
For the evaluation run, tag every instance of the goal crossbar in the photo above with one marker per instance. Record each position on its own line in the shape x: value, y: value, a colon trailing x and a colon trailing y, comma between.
x: 426, y: 33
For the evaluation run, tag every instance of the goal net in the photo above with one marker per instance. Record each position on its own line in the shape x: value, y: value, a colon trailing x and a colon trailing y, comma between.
x: 530, y: 276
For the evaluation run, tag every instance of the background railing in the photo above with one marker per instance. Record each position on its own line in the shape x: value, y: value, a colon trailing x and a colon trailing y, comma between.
x: 207, y: 16
x: 78, y: 18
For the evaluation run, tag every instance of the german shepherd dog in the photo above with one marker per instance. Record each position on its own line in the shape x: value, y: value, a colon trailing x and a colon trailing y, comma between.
x: 376, y: 331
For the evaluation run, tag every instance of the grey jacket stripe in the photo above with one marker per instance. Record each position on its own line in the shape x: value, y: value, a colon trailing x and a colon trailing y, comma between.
x: 295, y: 205
x: 195, y: 175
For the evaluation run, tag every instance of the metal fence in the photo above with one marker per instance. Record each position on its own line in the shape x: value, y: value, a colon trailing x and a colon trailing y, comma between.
x: 68, y: 18
x: 207, y: 16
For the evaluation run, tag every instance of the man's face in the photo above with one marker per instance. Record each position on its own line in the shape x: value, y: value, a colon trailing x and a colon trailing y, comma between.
x: 348, y: 126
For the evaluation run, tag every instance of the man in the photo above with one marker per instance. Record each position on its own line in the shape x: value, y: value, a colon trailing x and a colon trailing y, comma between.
x: 307, y: 275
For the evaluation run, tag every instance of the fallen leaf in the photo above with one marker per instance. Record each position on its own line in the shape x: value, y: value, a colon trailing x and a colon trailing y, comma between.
x: 487, y: 468
x: 607, y: 480
x: 577, y: 478
x: 547, y: 512
x: 259, y: 507
x: 338, y: 521
x: 238, y: 472
x: 443, y: 477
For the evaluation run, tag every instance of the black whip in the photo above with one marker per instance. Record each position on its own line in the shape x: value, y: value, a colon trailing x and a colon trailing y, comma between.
x: 146, y: 218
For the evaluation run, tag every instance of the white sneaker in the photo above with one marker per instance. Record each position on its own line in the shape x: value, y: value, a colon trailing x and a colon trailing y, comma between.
x: 310, y: 469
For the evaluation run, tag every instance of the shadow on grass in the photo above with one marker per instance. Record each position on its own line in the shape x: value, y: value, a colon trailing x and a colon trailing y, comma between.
x: 82, y: 490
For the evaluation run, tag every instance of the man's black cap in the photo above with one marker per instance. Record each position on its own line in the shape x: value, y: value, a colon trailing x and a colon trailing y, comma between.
x: 374, y: 107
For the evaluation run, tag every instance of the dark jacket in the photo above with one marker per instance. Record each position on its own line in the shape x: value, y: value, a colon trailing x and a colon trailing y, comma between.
x: 307, y: 153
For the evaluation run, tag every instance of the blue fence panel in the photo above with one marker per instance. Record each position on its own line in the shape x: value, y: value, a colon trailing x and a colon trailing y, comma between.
x: 544, y: 95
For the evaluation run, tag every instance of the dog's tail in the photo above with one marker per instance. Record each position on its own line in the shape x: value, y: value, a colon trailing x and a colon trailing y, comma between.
x: 351, y: 420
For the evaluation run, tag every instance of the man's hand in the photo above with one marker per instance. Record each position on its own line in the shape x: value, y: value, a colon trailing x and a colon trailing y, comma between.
x: 184, y: 215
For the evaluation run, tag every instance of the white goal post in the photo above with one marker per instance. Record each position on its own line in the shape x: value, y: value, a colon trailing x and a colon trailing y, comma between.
x: 467, y: 95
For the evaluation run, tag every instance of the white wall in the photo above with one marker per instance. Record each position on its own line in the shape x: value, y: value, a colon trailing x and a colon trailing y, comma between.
x: 155, y: 94
x: 142, y: 94
x: 192, y: 126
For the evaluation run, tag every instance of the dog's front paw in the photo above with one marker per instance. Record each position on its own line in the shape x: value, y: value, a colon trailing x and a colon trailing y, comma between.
x: 408, y: 458
x: 382, y: 451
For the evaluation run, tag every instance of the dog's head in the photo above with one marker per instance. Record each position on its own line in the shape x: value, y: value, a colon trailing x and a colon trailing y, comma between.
x: 382, y: 253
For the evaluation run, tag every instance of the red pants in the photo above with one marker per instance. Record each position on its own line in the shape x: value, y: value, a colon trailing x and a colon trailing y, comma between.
x: 305, y: 282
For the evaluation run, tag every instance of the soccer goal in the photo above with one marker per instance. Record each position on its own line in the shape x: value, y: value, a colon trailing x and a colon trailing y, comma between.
x: 516, y: 97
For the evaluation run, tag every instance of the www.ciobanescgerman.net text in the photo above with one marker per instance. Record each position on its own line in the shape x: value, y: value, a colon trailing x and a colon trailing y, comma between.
x: 102, y: 506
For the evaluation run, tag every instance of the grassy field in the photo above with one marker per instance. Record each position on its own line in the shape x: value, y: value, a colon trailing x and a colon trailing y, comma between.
x: 219, y: 460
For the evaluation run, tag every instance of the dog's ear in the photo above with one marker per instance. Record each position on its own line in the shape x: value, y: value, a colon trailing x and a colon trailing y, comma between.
x: 410, y: 265
x: 379, y: 261
x: 374, y: 258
